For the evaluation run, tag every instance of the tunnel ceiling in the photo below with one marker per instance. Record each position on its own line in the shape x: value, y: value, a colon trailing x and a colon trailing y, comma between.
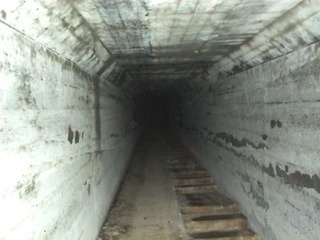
x: 163, y: 43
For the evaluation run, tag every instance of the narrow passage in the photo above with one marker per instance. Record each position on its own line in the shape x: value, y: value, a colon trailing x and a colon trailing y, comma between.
x: 167, y: 194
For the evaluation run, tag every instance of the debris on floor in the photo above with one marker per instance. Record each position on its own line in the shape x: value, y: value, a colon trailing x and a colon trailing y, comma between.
x: 167, y: 195
x: 145, y: 207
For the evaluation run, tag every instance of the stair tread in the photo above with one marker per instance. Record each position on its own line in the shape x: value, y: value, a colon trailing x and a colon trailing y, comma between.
x: 203, y: 199
x: 179, y: 170
x: 218, y: 217
x: 206, y: 213
x: 192, y: 173
x: 183, y: 168
x: 198, y: 186
x: 180, y: 155
x: 191, y: 182
x: 211, y: 224
x: 190, y: 178
x: 222, y: 234
x: 182, y: 161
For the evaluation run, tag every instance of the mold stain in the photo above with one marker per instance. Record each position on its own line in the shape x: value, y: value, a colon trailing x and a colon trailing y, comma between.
x: 97, y: 92
x: 249, y: 159
x: 260, y: 201
x: 31, y: 187
x: 298, y: 179
x: 25, y: 90
x: 228, y: 138
x: 89, y: 189
x: 269, y: 170
x: 286, y: 168
x: 77, y: 137
x: 3, y: 14
x: 255, y: 192
x: 210, y: 133
x: 70, y: 135
x: 27, y: 187
x: 274, y: 123
x: 245, y: 177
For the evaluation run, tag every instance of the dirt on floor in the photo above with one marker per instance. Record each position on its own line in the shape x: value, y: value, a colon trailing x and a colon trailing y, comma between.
x: 146, y: 206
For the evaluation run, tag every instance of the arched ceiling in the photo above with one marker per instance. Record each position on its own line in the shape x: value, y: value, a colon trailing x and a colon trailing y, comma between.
x: 160, y: 44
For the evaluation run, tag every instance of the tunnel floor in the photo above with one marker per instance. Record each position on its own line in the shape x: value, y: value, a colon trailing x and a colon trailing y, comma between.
x: 146, y: 206
x: 167, y: 194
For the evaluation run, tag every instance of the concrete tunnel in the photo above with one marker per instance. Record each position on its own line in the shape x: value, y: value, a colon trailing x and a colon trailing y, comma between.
x: 89, y: 87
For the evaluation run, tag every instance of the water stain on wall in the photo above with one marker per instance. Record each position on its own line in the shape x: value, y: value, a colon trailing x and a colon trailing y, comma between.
x: 97, y: 92
x: 264, y: 136
x: 299, y: 179
x: 228, y: 138
x: 3, y: 14
x: 269, y: 170
x: 77, y: 137
x: 70, y: 135
x: 27, y: 186
x: 274, y: 123
x: 259, y: 197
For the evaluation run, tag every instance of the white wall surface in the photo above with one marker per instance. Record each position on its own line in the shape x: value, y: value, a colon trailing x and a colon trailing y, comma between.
x: 65, y: 139
x: 258, y: 133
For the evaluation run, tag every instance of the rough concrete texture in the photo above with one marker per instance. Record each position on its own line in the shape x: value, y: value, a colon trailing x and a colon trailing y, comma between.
x: 292, y: 30
x: 258, y: 133
x: 70, y: 69
x: 64, y: 143
x: 159, y: 43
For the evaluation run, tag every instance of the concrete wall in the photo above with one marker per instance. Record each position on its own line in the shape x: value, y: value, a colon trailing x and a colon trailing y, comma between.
x: 258, y: 133
x: 65, y: 139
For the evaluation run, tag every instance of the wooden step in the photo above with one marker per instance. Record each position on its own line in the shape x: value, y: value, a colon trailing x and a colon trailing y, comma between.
x: 177, y: 148
x: 177, y: 151
x: 180, y: 170
x: 243, y: 234
x: 185, y: 155
x: 216, y: 223
x: 196, y: 189
x: 179, y: 182
x: 209, y: 210
x: 207, y: 214
x: 182, y: 160
x: 190, y: 174
x: 185, y: 166
x: 212, y: 203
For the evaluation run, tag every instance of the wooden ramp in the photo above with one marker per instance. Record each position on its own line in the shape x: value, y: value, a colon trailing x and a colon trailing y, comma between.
x: 206, y: 213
